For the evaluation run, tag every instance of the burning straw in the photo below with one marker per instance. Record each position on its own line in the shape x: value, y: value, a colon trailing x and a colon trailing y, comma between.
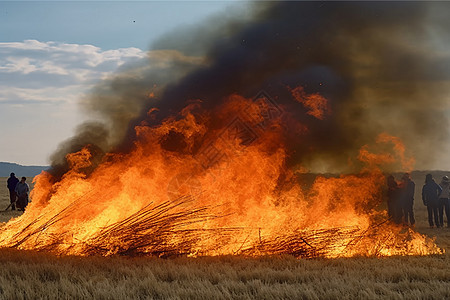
x: 175, y: 228
x: 162, y: 230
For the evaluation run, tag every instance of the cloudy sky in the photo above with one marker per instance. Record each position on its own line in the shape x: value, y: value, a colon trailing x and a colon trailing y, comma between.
x: 52, y: 53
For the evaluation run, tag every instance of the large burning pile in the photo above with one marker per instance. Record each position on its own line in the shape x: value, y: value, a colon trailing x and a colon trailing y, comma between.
x: 231, y: 195
x: 217, y: 159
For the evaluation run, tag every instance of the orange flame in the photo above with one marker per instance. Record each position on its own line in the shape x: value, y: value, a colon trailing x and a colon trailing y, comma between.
x: 380, y: 159
x: 316, y: 104
x: 399, y: 148
x: 232, y: 194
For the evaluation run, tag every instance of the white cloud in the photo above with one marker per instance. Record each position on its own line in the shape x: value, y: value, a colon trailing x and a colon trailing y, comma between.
x: 16, y: 95
x: 35, y: 71
x: 53, y: 57
x: 18, y: 64
x: 41, y: 84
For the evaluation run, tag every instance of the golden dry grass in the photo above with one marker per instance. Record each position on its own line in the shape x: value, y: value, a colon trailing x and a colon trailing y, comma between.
x: 31, y: 275
x: 28, y: 275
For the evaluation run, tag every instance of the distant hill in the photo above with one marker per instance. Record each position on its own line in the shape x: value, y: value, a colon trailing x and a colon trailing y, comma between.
x: 27, y: 171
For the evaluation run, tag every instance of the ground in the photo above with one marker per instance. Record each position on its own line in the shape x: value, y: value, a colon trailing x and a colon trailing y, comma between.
x: 31, y: 275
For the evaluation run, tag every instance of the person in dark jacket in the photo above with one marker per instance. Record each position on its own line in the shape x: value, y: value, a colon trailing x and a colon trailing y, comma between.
x: 430, y: 196
x: 407, y: 188
x: 22, y: 190
x: 393, y: 200
x: 11, y: 183
x: 444, y: 201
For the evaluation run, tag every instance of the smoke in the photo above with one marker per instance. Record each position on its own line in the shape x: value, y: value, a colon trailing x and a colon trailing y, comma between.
x: 378, y: 63
x: 117, y: 101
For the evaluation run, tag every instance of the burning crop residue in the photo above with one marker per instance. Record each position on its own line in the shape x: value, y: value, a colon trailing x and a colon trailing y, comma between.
x: 246, y: 201
x: 206, y: 164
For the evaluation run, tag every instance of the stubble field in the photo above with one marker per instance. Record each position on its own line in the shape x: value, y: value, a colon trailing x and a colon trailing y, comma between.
x: 32, y: 275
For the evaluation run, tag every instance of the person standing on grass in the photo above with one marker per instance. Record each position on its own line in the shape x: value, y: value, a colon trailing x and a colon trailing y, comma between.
x: 444, y: 202
x: 430, y: 198
x: 393, y: 200
x: 407, y: 188
x: 22, y: 190
x: 12, y: 182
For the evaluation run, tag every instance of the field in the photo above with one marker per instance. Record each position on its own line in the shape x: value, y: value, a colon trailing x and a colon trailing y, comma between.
x: 31, y: 275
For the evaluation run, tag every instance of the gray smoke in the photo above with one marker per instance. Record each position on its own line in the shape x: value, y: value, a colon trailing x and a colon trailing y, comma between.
x: 118, y: 101
x: 380, y: 64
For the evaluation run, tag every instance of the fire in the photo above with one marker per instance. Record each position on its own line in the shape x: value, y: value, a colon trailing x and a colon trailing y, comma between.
x: 211, y: 183
x: 316, y: 104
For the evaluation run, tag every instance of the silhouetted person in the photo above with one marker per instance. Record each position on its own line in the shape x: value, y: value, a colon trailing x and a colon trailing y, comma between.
x: 12, y: 182
x: 444, y: 201
x: 430, y: 196
x: 22, y: 190
x: 393, y: 200
x: 407, y: 188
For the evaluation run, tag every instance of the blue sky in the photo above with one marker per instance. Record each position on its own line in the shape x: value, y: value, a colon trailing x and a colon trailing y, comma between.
x: 52, y: 53
x: 106, y: 24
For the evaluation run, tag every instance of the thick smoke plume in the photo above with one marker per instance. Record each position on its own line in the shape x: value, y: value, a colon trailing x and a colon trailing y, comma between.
x: 377, y: 63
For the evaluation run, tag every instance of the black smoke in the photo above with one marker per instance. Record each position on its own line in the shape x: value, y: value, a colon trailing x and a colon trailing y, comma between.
x: 374, y: 61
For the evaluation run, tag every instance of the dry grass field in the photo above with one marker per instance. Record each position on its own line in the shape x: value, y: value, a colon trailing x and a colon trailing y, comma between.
x: 31, y: 275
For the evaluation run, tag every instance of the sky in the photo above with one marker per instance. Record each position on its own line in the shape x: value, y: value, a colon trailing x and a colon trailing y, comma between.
x: 53, y: 52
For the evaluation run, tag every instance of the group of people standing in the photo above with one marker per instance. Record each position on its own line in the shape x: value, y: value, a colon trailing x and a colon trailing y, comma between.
x: 18, y: 192
x: 436, y: 197
x: 401, y: 199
